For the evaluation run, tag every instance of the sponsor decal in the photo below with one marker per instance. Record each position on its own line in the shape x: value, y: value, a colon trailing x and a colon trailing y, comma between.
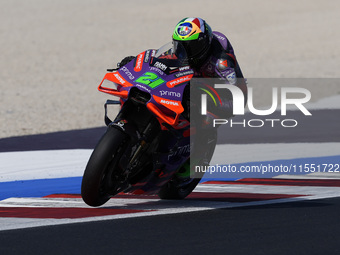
x: 119, y: 78
x: 170, y: 93
x: 184, y: 29
x: 181, y: 150
x: 153, y: 53
x: 219, y: 37
x: 139, y: 62
x: 156, y: 70
x: 127, y: 72
x: 232, y: 78
x: 178, y: 81
x: 160, y: 66
x: 168, y: 102
x: 177, y: 75
x: 143, y: 88
x: 183, y: 68
x: 175, y: 106
x: 222, y: 63
x: 147, y: 56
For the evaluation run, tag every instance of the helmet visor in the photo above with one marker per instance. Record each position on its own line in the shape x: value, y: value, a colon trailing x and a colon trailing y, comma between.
x: 179, y: 50
x: 192, y: 48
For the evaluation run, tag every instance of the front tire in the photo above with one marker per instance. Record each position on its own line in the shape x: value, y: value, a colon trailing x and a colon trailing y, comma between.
x: 97, y: 178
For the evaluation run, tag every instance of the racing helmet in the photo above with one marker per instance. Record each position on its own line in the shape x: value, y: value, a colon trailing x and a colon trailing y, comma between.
x: 192, y: 39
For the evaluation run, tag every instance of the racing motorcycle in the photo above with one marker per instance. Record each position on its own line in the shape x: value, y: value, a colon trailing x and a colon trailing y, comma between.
x: 145, y: 146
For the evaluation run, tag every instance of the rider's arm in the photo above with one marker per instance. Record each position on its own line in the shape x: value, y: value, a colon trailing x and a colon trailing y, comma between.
x: 228, y: 69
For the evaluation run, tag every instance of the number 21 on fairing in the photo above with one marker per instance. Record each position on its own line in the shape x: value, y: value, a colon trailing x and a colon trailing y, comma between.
x: 150, y: 79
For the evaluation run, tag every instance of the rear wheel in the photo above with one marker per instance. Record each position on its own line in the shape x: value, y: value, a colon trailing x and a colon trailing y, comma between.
x: 98, y: 183
x: 179, y: 187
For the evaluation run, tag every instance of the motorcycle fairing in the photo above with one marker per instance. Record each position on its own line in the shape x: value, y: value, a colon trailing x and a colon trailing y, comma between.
x: 157, y: 77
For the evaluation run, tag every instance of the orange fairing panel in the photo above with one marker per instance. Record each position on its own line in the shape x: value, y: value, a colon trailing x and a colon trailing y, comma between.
x: 117, y: 79
x: 171, y: 121
x: 174, y: 106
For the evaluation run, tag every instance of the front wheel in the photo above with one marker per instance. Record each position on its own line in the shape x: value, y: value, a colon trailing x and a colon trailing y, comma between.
x: 97, y: 185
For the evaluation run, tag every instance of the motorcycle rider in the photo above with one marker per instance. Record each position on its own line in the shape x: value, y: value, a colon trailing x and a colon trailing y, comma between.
x: 211, y: 55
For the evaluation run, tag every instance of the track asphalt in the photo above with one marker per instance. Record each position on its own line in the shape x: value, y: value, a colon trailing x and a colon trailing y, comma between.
x: 308, y: 227
x: 299, y: 227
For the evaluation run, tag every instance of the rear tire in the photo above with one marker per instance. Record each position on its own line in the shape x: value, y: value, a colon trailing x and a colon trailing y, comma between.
x: 178, y: 188
x: 97, y: 179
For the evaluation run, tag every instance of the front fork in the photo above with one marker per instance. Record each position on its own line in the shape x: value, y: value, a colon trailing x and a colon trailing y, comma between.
x: 140, y: 125
x: 147, y: 142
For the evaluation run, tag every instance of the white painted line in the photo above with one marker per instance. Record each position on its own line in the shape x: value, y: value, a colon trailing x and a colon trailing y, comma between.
x: 8, y: 223
x: 163, y: 207
x: 30, y: 165
x: 243, y: 153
